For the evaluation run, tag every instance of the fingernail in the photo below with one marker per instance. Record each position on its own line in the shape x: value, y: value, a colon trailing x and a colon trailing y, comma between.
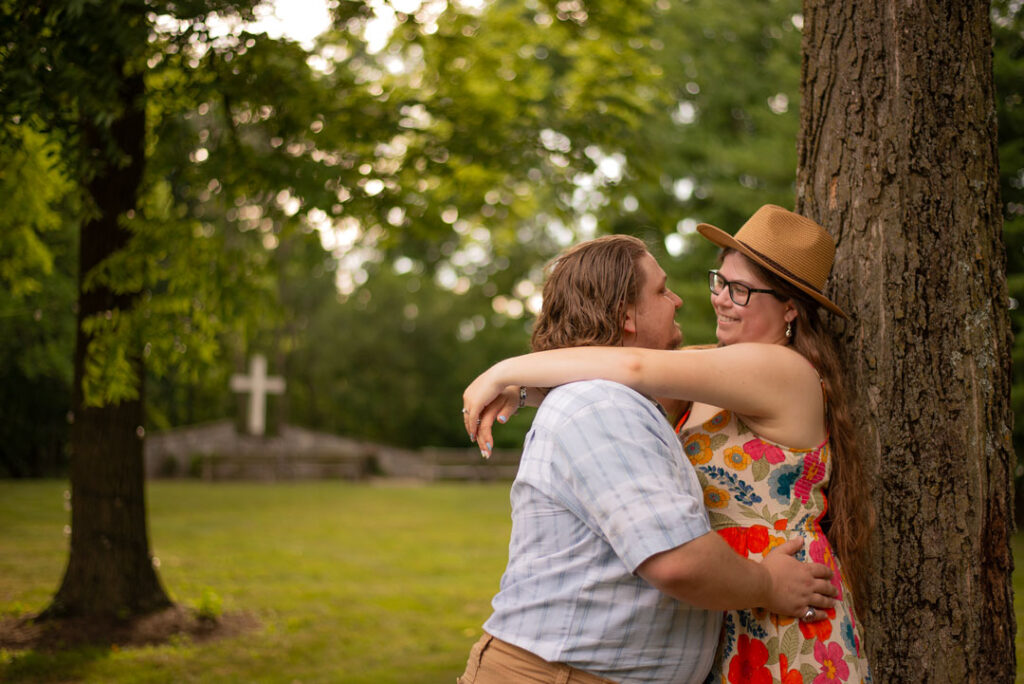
x: 502, y: 419
x: 484, y: 454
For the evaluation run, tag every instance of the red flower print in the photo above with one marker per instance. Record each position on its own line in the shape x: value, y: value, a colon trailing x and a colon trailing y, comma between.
x: 833, y: 668
x: 780, y: 524
x: 814, y: 472
x: 747, y: 540
x: 759, y: 449
x: 821, y: 629
x: 747, y: 666
x: 757, y: 538
x: 789, y: 676
x: 736, y: 537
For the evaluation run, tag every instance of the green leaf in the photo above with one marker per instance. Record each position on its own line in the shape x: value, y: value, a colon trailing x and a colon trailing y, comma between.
x: 719, y: 520
x: 760, y: 469
x: 791, y: 641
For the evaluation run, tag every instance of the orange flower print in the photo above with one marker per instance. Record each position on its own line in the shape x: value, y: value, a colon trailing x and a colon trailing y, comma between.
x: 715, y: 497
x: 717, y: 422
x: 736, y: 458
x: 774, y: 541
x: 698, y: 448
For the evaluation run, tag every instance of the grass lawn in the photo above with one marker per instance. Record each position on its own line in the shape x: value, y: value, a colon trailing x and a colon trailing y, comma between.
x: 352, y: 583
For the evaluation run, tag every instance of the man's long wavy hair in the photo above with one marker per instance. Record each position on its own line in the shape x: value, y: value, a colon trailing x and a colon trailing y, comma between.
x: 850, y: 515
x: 587, y: 292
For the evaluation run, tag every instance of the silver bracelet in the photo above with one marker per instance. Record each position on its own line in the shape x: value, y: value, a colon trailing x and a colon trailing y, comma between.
x: 522, y: 397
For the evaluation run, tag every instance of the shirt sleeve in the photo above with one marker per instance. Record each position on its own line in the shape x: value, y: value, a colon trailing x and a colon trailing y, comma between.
x: 624, y: 469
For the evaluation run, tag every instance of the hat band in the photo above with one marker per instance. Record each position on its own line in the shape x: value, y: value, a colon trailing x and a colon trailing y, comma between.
x: 780, y: 268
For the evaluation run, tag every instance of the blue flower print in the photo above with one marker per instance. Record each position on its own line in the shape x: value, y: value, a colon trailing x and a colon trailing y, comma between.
x: 742, y: 491
x: 780, y: 482
x: 849, y: 640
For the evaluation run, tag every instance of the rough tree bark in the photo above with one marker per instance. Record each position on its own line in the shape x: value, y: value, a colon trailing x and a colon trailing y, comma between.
x: 898, y: 159
x: 110, y: 573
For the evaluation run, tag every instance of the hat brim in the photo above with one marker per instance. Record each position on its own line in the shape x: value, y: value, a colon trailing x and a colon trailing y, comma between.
x: 723, y: 239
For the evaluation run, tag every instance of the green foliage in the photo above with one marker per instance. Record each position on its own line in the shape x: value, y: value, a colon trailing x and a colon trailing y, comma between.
x: 1008, y: 57
x: 402, y: 351
x: 734, y: 118
x: 32, y: 189
x: 37, y: 295
x: 468, y: 152
x: 210, y: 606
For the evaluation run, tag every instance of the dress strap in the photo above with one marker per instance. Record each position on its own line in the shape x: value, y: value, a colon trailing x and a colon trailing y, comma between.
x: 682, y: 418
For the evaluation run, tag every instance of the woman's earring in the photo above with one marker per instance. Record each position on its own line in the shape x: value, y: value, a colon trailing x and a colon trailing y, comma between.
x: 789, y: 329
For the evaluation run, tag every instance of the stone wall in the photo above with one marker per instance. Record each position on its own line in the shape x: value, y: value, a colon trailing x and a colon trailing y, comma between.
x: 216, y: 451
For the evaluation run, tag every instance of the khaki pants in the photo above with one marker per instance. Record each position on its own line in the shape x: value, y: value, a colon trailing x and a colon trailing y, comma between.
x: 493, y: 661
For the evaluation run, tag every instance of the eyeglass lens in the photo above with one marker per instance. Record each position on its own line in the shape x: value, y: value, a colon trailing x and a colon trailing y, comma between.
x: 738, y: 293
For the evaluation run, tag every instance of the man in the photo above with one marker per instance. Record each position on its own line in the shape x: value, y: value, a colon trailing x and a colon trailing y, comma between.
x: 613, y: 572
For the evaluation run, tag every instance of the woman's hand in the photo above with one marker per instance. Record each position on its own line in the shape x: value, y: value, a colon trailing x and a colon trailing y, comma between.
x: 477, y: 402
x: 501, y: 409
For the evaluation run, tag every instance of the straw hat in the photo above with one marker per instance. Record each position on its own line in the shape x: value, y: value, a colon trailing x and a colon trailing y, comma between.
x: 791, y: 246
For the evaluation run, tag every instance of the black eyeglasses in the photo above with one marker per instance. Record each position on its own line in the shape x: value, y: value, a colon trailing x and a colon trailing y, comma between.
x: 738, y: 292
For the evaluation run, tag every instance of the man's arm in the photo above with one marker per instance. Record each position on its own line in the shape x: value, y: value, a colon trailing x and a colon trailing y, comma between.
x: 707, y: 573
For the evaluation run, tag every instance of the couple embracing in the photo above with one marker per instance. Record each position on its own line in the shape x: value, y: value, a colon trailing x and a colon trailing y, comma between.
x: 643, y: 553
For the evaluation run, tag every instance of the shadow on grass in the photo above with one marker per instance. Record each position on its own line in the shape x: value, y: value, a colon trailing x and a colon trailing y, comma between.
x: 63, y: 649
x: 50, y: 666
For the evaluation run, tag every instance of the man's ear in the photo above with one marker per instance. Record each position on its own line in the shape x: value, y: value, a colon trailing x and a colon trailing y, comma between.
x: 629, y: 321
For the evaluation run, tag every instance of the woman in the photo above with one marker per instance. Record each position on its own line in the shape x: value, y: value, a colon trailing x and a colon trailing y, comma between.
x: 768, y: 431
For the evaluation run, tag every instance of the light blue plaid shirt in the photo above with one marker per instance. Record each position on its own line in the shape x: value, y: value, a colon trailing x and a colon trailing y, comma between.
x: 602, y: 486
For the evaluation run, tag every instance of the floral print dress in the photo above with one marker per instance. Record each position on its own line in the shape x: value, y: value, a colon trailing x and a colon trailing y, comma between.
x: 759, y: 495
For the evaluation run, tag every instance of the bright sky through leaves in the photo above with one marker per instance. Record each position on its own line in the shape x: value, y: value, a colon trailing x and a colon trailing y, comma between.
x: 300, y: 20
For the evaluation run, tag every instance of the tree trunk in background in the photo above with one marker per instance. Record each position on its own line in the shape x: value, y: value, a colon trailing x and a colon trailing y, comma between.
x: 898, y: 159
x: 110, y: 574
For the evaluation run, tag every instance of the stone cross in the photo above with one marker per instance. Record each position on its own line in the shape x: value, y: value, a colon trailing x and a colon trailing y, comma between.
x: 258, y: 384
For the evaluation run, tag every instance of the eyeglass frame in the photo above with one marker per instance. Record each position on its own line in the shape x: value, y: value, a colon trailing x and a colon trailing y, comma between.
x: 713, y: 274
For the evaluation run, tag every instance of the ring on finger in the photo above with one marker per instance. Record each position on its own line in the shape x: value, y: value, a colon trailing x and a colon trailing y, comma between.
x: 808, y: 614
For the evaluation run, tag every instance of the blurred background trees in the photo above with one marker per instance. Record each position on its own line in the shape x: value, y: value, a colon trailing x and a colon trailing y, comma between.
x: 375, y: 215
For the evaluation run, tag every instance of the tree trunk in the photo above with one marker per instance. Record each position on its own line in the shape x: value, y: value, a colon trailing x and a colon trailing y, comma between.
x: 110, y: 574
x: 898, y: 159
